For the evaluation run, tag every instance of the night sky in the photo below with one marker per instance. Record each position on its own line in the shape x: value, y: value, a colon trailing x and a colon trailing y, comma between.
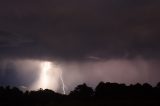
x: 87, y: 40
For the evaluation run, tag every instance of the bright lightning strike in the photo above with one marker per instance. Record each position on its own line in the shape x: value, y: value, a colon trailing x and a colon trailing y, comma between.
x: 63, y: 86
x: 44, y: 78
x: 50, y: 77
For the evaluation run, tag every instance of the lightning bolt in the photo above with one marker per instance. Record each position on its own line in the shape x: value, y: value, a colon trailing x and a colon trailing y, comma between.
x: 63, y: 85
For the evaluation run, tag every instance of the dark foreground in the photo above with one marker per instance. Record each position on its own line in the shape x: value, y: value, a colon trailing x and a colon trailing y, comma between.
x: 105, y: 94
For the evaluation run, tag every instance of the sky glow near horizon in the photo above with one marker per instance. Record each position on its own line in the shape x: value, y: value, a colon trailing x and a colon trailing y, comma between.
x: 63, y: 77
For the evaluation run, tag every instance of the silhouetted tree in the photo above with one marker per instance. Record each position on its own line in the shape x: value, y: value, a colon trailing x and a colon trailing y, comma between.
x: 158, y: 85
x: 110, y: 90
x: 100, y: 89
x: 82, y: 91
x: 146, y: 85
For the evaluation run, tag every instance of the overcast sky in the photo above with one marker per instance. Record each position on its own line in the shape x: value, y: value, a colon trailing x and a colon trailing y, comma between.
x: 84, y: 37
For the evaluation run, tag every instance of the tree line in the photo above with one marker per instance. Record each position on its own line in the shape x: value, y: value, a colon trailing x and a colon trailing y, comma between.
x: 104, y: 94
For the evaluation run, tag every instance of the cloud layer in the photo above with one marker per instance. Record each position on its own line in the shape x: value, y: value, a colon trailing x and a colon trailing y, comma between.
x: 80, y: 28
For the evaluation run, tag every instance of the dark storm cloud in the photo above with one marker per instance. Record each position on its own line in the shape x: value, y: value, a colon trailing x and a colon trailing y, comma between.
x: 13, y: 40
x: 80, y: 29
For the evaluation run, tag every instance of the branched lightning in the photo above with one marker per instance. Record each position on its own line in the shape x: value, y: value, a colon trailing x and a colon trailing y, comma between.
x: 63, y: 85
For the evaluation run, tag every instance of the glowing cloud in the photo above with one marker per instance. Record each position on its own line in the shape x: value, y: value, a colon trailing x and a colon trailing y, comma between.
x: 50, y: 77
x: 44, y: 77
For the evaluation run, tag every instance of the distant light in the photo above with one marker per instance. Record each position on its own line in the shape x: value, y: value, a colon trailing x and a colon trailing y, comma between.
x: 44, y: 76
x: 50, y: 77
